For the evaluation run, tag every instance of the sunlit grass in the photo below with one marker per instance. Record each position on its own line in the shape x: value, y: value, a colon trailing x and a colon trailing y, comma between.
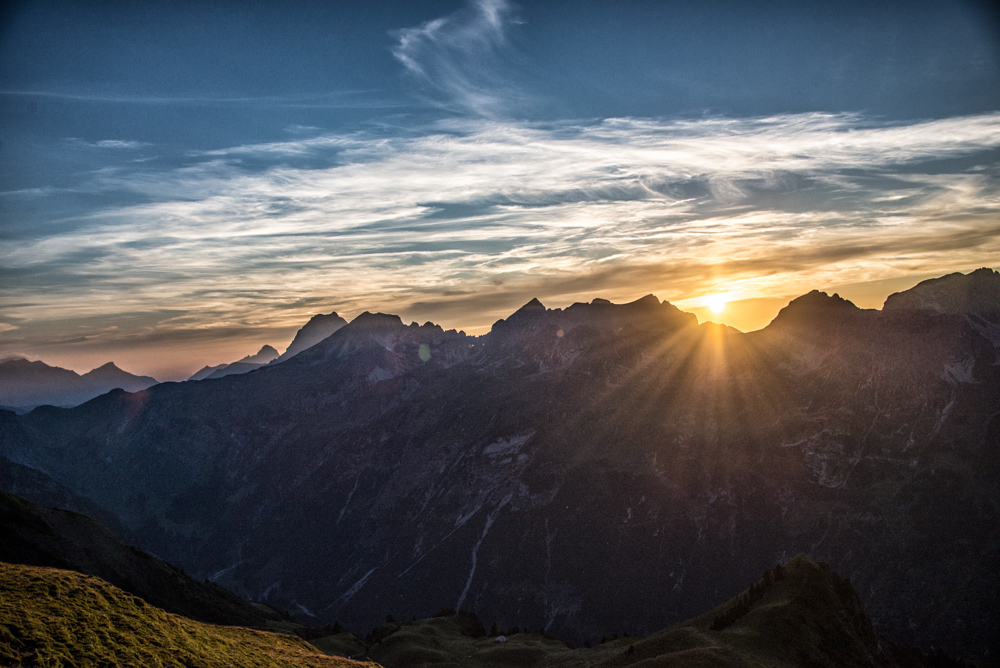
x: 53, y: 618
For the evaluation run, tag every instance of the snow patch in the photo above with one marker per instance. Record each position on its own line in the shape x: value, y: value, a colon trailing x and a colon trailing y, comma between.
x: 507, y: 447
x: 218, y: 574
x: 475, y: 550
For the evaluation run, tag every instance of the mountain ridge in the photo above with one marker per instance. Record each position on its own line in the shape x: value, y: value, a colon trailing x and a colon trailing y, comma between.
x: 612, y: 472
x: 25, y: 384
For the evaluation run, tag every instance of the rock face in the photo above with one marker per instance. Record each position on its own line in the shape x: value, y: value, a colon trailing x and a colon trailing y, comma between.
x: 24, y: 384
x: 587, y: 470
x: 318, y: 328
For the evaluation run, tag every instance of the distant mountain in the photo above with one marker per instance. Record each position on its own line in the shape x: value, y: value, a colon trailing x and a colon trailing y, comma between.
x: 971, y: 296
x: 583, y: 470
x: 54, y: 617
x: 206, y: 371
x: 25, y: 384
x: 35, y: 535
x: 318, y: 328
x: 264, y: 356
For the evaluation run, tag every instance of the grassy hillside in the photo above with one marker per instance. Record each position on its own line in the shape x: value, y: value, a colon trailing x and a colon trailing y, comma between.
x: 800, y: 614
x: 51, y: 617
x: 34, y: 535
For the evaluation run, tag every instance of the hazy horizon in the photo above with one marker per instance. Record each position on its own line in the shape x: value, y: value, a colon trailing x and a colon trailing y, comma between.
x: 181, y: 184
x: 179, y: 363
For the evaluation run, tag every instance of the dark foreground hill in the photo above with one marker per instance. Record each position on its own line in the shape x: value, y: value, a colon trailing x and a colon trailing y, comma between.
x: 35, y: 535
x: 52, y: 617
x: 800, y: 614
x: 585, y: 470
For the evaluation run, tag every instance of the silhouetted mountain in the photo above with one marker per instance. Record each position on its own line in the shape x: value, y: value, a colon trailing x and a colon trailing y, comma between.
x: 25, y: 384
x: 35, y: 535
x: 581, y: 470
x: 264, y: 356
x: 206, y: 371
x: 318, y: 328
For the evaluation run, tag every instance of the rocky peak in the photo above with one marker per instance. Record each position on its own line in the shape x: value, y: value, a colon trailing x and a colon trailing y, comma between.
x: 533, y: 305
x: 264, y: 355
x: 647, y: 313
x: 815, y: 310
x: 318, y: 328
x: 976, y: 293
x: 369, y: 323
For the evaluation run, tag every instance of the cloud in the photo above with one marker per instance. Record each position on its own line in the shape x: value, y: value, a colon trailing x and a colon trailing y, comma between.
x: 468, y: 219
x: 463, y: 62
x: 109, y: 144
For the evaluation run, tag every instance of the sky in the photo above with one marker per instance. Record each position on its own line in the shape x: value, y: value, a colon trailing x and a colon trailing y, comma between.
x: 184, y: 182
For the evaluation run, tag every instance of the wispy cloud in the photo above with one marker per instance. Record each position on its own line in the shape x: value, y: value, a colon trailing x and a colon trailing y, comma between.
x: 463, y: 62
x: 107, y: 144
x: 467, y: 220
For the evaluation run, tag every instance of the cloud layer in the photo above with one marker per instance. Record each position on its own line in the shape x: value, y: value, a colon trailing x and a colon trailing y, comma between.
x: 463, y: 221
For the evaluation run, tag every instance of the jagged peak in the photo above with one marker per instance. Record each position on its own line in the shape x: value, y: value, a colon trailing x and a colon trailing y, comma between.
x: 647, y: 301
x: 975, y: 292
x: 645, y: 313
x: 533, y: 305
x: 815, y: 304
x: 322, y: 317
x: 374, y: 321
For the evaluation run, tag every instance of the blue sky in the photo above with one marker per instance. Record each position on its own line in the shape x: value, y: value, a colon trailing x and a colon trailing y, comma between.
x: 183, y: 182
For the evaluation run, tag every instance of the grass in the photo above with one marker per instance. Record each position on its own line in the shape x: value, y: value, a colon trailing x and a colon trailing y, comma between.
x: 53, y: 618
x: 800, y: 615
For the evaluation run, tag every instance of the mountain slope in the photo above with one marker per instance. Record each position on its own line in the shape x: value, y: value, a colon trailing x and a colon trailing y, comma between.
x: 57, y: 617
x: 265, y: 355
x: 582, y: 470
x: 25, y: 384
x: 39, y: 536
x: 318, y: 328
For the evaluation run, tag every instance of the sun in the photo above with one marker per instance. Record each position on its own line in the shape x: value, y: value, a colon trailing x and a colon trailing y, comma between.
x: 717, y: 302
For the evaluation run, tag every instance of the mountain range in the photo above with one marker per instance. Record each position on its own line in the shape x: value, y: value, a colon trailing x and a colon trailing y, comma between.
x: 318, y: 328
x: 577, y: 470
x: 25, y: 384
x: 245, y: 365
